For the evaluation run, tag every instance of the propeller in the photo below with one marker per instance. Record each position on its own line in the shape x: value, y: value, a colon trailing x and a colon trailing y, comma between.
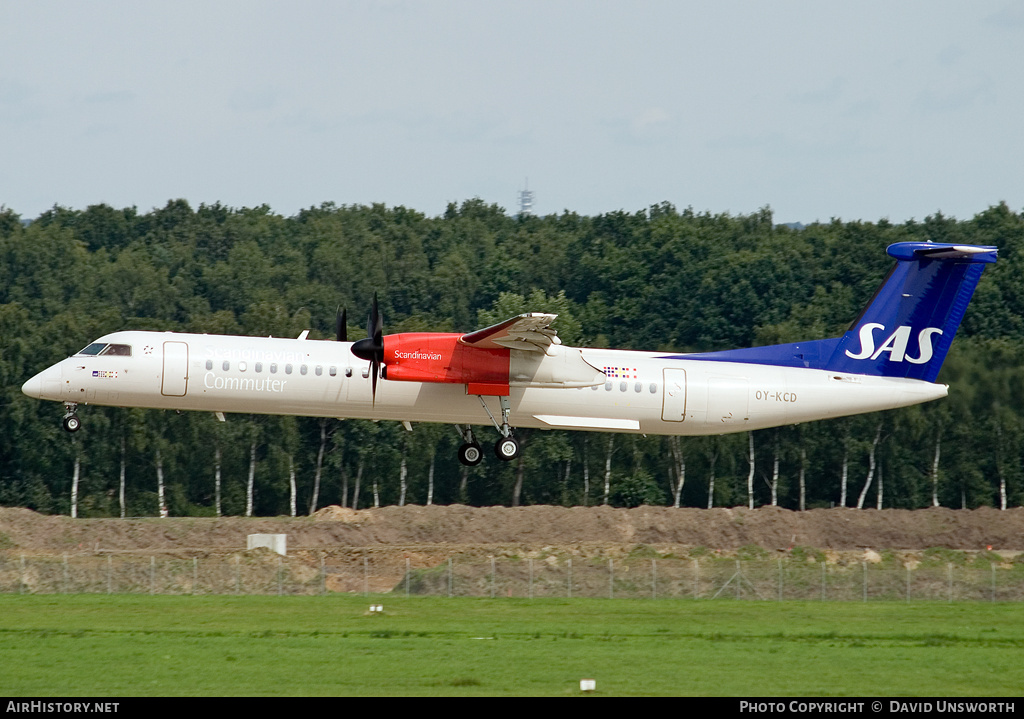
x: 341, y: 325
x: 371, y: 349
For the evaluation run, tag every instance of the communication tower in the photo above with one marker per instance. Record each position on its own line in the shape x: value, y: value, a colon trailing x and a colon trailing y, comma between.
x: 526, y: 201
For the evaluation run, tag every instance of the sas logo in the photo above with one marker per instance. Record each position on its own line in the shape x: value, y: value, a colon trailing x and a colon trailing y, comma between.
x: 895, y: 344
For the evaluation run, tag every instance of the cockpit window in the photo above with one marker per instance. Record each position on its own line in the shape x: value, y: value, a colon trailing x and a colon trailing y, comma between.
x: 102, y: 348
x: 94, y: 349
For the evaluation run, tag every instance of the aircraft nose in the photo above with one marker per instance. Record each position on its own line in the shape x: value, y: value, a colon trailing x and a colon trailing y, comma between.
x: 45, y: 385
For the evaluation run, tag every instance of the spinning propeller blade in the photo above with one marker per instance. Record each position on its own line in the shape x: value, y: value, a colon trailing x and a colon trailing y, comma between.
x: 371, y: 349
x: 341, y: 325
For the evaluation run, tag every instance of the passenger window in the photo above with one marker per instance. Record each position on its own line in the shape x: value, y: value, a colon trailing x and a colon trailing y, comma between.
x: 226, y: 365
x: 639, y: 386
x: 273, y: 368
x: 287, y: 369
x: 319, y: 370
x: 209, y: 364
x: 608, y: 386
x: 302, y: 369
x: 242, y: 366
x: 259, y: 367
x: 333, y: 371
x: 654, y: 388
x: 623, y: 386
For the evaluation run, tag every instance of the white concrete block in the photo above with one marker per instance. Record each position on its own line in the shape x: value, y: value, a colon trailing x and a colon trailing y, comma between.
x: 276, y: 542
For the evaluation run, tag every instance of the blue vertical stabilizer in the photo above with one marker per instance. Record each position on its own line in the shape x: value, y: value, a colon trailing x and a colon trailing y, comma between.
x: 907, y: 327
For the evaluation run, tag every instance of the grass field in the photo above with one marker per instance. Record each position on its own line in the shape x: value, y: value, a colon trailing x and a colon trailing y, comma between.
x: 130, y: 645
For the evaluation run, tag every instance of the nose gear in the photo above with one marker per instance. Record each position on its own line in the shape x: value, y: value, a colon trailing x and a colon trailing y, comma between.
x: 71, y: 423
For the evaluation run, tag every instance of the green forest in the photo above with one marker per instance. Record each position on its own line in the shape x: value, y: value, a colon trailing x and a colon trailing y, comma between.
x: 656, y: 279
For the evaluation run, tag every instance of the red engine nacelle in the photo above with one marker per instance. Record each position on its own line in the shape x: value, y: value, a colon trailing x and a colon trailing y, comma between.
x: 439, y: 357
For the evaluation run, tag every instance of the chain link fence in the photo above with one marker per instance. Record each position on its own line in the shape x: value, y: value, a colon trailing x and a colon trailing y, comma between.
x: 322, y: 572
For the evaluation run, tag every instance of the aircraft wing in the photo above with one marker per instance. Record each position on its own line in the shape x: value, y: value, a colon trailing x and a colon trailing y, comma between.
x: 531, y: 331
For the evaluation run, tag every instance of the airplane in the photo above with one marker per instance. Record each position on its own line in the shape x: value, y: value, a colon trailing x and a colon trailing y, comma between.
x: 517, y: 374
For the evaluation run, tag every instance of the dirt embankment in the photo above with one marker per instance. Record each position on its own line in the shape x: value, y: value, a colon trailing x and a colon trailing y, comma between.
x: 403, y: 527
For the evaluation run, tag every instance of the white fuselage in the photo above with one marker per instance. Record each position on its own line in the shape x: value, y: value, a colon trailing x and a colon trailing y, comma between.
x: 643, y: 392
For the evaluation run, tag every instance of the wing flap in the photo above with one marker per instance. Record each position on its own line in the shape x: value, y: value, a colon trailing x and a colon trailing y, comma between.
x: 531, y: 332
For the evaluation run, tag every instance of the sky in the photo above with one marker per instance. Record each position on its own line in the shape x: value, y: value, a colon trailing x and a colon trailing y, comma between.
x: 852, y: 110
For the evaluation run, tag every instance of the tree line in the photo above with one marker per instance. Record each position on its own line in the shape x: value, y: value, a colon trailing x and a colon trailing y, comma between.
x: 658, y: 279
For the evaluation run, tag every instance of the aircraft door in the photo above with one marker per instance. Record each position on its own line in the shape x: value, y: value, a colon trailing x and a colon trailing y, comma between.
x: 175, y: 374
x: 728, y: 401
x: 673, y: 407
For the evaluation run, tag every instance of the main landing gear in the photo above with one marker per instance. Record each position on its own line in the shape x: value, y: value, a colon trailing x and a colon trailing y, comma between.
x: 469, y: 453
x: 505, y: 449
x: 71, y: 422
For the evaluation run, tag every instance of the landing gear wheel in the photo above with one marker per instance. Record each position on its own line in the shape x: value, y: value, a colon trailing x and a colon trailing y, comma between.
x: 72, y: 423
x: 506, y: 449
x: 470, y: 454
